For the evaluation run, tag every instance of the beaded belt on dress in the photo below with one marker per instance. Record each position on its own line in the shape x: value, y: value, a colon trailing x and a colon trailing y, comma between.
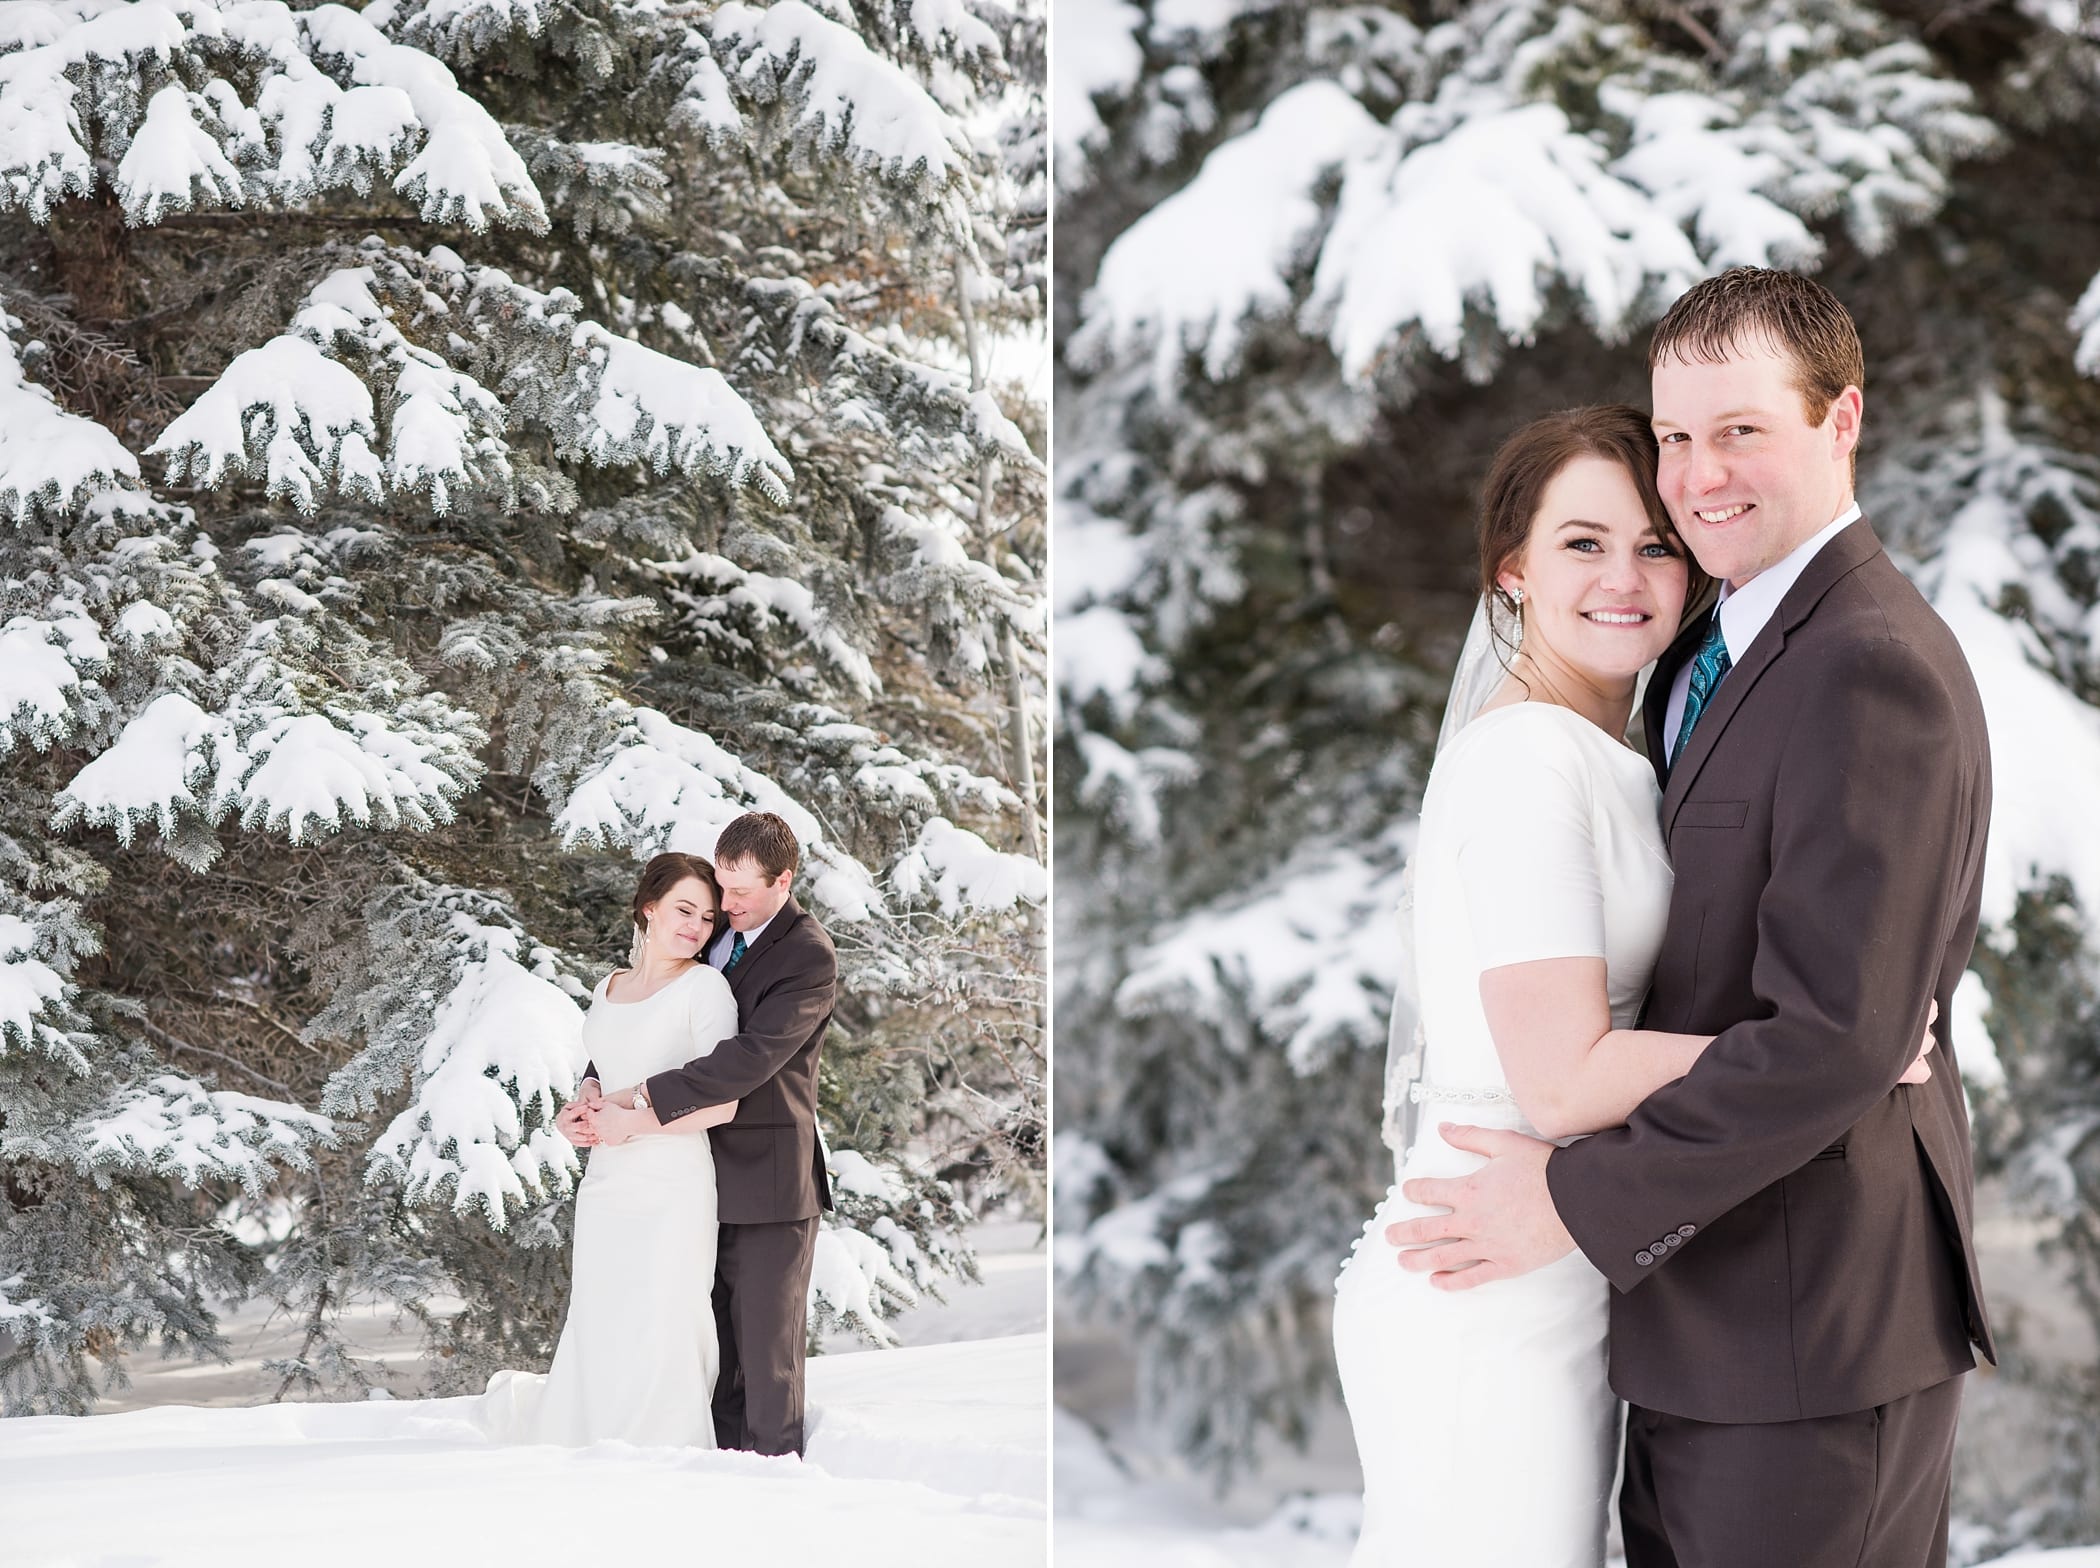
x: 1421, y: 1093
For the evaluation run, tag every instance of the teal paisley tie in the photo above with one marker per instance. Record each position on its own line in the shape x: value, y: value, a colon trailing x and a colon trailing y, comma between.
x: 736, y: 950
x: 1709, y: 664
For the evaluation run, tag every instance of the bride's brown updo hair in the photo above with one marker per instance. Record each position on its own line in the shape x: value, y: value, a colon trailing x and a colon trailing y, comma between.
x: 1528, y: 461
x: 666, y: 871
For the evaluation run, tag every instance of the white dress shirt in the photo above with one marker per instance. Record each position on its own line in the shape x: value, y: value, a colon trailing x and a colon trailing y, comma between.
x: 719, y: 950
x: 1747, y: 610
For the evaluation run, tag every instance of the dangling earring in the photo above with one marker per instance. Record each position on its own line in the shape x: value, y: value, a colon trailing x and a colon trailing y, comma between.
x: 1517, y: 595
x: 634, y: 949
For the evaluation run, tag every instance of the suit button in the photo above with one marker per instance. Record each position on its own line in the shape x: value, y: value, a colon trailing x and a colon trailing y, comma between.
x: 1644, y: 1257
x: 1687, y: 1231
x: 1673, y: 1240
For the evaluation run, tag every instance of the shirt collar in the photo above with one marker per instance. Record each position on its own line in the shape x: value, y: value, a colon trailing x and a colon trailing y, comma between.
x: 1745, y: 610
x: 751, y: 937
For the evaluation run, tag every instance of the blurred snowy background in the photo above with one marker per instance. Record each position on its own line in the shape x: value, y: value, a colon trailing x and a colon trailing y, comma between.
x: 449, y: 453
x: 1313, y: 262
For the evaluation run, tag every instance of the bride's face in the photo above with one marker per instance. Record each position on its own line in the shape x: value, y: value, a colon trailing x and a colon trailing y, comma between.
x: 1603, y: 587
x: 681, y: 922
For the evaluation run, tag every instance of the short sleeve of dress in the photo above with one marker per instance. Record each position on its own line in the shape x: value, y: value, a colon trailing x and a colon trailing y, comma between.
x: 710, y: 1013
x: 1519, y: 795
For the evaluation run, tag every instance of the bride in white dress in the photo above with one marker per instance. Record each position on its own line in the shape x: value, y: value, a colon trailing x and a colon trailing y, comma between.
x: 1487, y: 1431
x: 637, y: 1354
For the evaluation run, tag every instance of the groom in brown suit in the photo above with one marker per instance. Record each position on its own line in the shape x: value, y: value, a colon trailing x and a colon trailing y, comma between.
x: 770, y: 1181
x: 1786, y: 1228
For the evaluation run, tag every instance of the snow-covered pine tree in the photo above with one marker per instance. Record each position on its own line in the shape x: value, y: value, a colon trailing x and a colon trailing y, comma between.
x: 1422, y: 225
x: 449, y: 454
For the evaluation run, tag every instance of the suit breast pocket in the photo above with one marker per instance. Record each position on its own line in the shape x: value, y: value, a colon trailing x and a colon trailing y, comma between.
x: 1712, y: 814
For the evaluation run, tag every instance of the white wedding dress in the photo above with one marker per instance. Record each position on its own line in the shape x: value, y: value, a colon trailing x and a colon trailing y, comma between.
x: 637, y: 1354
x: 1486, y: 1428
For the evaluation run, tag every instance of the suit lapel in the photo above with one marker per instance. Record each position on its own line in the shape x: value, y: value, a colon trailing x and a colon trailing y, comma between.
x: 1843, y: 555
x: 777, y: 927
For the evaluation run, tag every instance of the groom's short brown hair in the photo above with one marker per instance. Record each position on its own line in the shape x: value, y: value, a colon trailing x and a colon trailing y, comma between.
x: 1745, y: 306
x: 763, y: 839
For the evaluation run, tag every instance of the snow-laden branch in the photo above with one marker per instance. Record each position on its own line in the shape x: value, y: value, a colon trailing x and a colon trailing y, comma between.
x: 949, y: 29
x: 1098, y: 54
x: 1101, y: 655
x: 456, y: 29
x: 1867, y: 138
x: 30, y: 991
x: 845, y: 99
x: 930, y: 400
x: 1486, y: 220
x: 175, y: 1126
x: 853, y: 1277
x: 1316, y: 967
x: 503, y: 1037
x: 174, y: 162
x: 1250, y: 212
x: 49, y: 459
x: 646, y: 407
x: 892, y: 778
x: 867, y: 1266
x: 1128, y: 787
x: 657, y: 786
x: 1710, y: 173
x: 1484, y: 200
x: 702, y: 104
x: 302, y: 411
x: 955, y: 870
x: 47, y: 678
x: 286, y: 409
x: 2002, y: 591
x: 302, y: 774
x: 2085, y: 321
x: 333, y: 103
x: 762, y: 598
x: 967, y: 598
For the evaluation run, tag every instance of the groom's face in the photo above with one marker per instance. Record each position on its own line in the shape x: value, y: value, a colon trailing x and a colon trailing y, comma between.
x: 1745, y: 475
x: 748, y: 899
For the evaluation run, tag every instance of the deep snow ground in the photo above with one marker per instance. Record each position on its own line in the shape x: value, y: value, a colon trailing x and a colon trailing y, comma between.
x: 931, y: 1455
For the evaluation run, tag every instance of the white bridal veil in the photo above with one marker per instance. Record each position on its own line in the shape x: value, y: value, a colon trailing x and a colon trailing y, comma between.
x: 1491, y: 642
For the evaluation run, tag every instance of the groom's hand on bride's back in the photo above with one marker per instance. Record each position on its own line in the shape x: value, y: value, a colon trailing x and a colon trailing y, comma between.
x: 1501, y: 1223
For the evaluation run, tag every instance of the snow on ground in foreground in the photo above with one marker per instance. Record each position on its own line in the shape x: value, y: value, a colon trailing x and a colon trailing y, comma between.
x: 925, y: 1457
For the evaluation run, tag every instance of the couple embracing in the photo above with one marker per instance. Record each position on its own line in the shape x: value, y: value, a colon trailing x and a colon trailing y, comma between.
x: 1692, y: 1130
x: 706, y: 1173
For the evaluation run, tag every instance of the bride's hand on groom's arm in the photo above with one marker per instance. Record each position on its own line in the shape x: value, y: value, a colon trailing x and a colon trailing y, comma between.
x: 1920, y: 1070
x: 1501, y: 1223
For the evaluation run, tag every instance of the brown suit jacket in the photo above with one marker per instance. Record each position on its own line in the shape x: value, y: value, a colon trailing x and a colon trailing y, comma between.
x: 1786, y: 1227
x: 769, y: 1163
